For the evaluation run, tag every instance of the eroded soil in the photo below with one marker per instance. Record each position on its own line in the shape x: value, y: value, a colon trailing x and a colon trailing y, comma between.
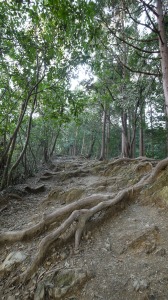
x: 124, y: 248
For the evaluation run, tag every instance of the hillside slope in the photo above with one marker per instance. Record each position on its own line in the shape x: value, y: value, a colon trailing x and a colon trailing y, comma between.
x: 86, y: 230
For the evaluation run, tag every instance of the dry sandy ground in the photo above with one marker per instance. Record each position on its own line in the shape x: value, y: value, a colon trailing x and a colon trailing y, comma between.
x: 124, y: 248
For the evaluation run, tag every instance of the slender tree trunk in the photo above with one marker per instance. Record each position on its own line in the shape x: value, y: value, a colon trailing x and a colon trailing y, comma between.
x: 103, y: 143
x: 166, y: 143
x: 132, y: 135
x: 33, y: 156
x: 75, y: 142
x: 163, y: 51
x: 151, y: 128
x: 125, y: 144
x: 13, y: 137
x: 24, y: 148
x: 141, y: 137
x: 108, y: 134
x: 93, y: 139
x: 7, y: 166
x: 125, y: 147
x: 55, y: 141
x: 45, y: 151
x: 20, y: 119
x: 83, y: 145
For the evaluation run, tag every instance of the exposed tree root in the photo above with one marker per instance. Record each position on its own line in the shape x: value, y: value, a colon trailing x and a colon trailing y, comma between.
x: 46, y: 243
x: 80, y: 211
x: 120, y: 160
x: 127, y: 159
x: 3, y: 208
x: 82, y: 215
x: 159, y: 167
x: 35, y: 190
x: 43, y: 225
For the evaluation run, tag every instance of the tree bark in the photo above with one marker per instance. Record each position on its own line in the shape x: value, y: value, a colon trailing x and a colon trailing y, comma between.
x: 124, y: 149
x: 90, y: 152
x: 102, y: 155
x: 55, y: 141
x: 24, y: 148
x: 163, y: 51
x: 141, y: 137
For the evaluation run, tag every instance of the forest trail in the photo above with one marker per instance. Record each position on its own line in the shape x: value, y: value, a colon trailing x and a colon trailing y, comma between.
x: 123, y: 251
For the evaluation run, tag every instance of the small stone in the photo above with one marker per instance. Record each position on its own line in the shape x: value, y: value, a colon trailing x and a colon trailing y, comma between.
x: 67, y: 264
x: 17, y: 294
x: 11, y: 298
x: 12, y: 259
x: 62, y: 282
x: 150, y: 247
x: 104, y: 249
x: 140, y: 284
x: 63, y: 255
x: 40, y: 292
x: 161, y: 252
x: 108, y: 246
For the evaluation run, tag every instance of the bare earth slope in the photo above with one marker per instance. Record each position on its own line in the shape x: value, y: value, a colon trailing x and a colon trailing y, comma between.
x: 86, y: 230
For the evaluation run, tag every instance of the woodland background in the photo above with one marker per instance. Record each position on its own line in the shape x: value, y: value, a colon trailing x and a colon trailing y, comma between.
x: 118, y: 108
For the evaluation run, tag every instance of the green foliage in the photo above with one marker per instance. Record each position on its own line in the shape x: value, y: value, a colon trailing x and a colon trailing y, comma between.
x: 42, y: 45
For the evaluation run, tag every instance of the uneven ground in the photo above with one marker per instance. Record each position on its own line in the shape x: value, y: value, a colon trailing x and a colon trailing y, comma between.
x: 123, y: 253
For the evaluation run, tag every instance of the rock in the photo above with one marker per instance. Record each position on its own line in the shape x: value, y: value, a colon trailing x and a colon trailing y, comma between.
x: 46, y: 177
x: 67, y: 264
x: 73, y: 194
x: 60, y: 283
x: 101, y: 188
x: 143, y: 168
x: 35, y: 190
x: 150, y: 247
x: 55, y: 193
x: 64, y: 255
x: 49, y: 173
x: 11, y: 298
x: 40, y: 292
x: 11, y: 260
x: 107, y: 245
x: 161, y: 252
x: 140, y: 285
x: 19, y: 191
x: 144, y: 241
x: 68, y: 196
x: 66, y: 280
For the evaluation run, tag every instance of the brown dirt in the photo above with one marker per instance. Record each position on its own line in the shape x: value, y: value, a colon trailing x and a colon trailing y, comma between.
x: 125, y: 247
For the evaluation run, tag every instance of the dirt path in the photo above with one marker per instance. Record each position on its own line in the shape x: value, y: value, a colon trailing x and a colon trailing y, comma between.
x: 124, y: 248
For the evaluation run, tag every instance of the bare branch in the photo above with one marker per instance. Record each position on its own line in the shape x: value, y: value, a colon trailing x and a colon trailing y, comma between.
x: 138, y: 71
x: 140, y: 23
x: 150, y: 7
x: 129, y: 44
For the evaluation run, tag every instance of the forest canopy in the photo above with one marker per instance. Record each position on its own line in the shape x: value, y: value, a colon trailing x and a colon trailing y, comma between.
x: 118, y: 107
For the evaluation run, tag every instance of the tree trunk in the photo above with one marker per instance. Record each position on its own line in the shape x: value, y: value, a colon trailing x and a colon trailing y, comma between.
x: 83, y: 145
x: 93, y: 139
x: 166, y: 144
x: 55, y: 141
x: 141, y: 137
x: 103, y: 144
x: 7, y: 166
x: 163, y: 51
x: 125, y: 147
x: 24, y: 148
x: 151, y: 129
x: 108, y: 134
x: 75, y: 142
x: 125, y: 144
